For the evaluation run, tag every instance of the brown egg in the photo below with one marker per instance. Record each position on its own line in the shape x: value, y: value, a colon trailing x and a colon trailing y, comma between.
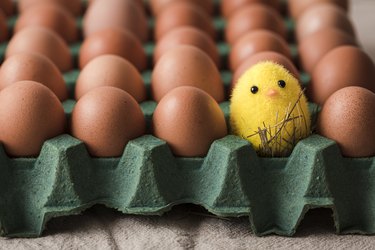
x: 114, y: 41
x: 189, y: 120
x: 157, y: 6
x: 34, y: 67
x: 29, y: 115
x: 341, y: 67
x: 73, y: 6
x: 110, y: 70
x: 43, y: 41
x: 7, y: 6
x: 256, y: 41
x: 105, y: 119
x: 3, y: 27
x: 313, y: 47
x: 183, y: 13
x: 190, y: 36
x: 296, y: 7
x: 253, y: 17
x: 228, y: 7
x: 51, y: 16
x: 186, y: 65
x: 321, y: 16
x: 348, y: 117
x: 139, y: 3
x: 264, y: 56
x: 123, y: 14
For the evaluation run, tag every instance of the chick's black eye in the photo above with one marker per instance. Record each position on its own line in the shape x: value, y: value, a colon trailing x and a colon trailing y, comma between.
x: 254, y: 89
x: 281, y: 83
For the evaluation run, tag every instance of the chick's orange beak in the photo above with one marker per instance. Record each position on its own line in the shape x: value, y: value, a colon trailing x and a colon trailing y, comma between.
x: 272, y: 93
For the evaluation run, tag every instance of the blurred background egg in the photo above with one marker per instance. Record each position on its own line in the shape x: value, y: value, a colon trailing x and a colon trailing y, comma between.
x: 189, y: 36
x: 43, y: 41
x: 113, y: 41
x: 341, y: 67
x: 348, y: 117
x: 30, y: 114
x: 182, y: 13
x: 256, y: 41
x: 189, y: 120
x: 186, y: 65
x: 228, y: 7
x: 157, y: 6
x: 7, y: 6
x: 105, y: 119
x: 3, y: 27
x: 51, y: 16
x: 296, y: 7
x: 73, y: 6
x: 34, y: 67
x: 252, y: 17
x: 125, y: 14
x: 313, y: 47
x: 110, y: 70
x: 322, y: 16
x: 264, y: 56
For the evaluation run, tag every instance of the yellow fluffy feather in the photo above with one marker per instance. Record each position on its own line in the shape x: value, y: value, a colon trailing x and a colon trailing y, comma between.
x: 268, y: 108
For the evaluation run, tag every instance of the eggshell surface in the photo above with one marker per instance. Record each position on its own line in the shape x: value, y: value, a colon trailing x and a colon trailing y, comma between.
x: 189, y: 120
x: 158, y: 5
x: 296, y: 7
x: 73, y: 6
x: 228, y: 7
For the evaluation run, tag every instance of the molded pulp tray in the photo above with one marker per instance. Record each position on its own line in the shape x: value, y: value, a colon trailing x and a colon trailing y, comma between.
x: 230, y: 181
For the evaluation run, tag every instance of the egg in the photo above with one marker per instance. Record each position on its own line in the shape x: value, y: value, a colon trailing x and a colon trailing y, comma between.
x: 114, y: 41
x: 30, y: 114
x: 321, y: 16
x: 110, y: 70
x: 190, y: 36
x: 186, y: 65
x: 73, y: 6
x: 296, y: 7
x: 341, y: 67
x: 157, y: 6
x: 313, y: 47
x: 51, y: 16
x: 189, y: 120
x: 43, y: 41
x: 34, y: 67
x: 105, y: 119
x: 140, y: 3
x: 7, y: 7
x: 124, y: 14
x: 228, y: 7
x: 182, y: 13
x: 3, y: 27
x: 252, y: 17
x: 348, y: 117
x: 264, y: 56
x: 256, y: 41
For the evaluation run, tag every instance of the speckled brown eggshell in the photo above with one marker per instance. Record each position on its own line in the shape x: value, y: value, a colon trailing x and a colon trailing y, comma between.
x: 43, y: 41
x: 313, y: 47
x: 186, y: 65
x: 34, y: 67
x: 105, y: 119
x: 254, y: 42
x: 228, y: 7
x: 264, y: 56
x: 115, y: 41
x: 30, y: 114
x: 51, y: 16
x: 321, y: 16
x: 124, y: 14
x: 341, y: 67
x: 182, y: 13
x: 73, y: 6
x: 7, y: 6
x: 110, y: 70
x: 3, y: 27
x: 253, y: 17
x: 157, y: 6
x: 190, y: 36
x: 348, y: 117
x: 189, y: 120
x: 296, y: 7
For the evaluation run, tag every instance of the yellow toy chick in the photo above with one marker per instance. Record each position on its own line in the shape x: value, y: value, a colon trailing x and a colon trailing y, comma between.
x: 268, y: 108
